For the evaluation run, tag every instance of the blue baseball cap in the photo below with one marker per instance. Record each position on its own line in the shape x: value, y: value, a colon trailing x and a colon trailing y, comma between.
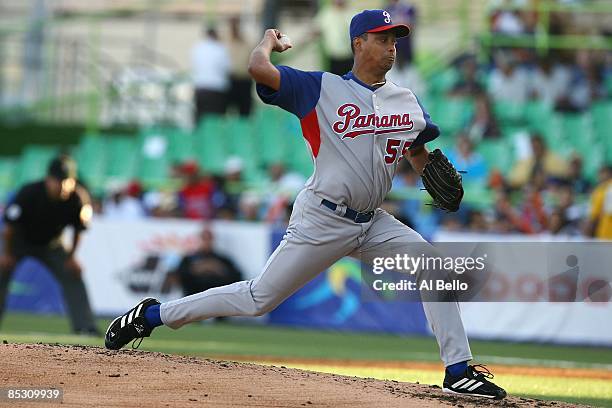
x: 375, y: 21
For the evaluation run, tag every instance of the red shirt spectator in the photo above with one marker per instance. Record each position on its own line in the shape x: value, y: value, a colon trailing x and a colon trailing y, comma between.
x: 195, y: 198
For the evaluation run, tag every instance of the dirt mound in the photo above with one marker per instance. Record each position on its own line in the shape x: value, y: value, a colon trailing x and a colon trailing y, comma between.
x: 95, y: 377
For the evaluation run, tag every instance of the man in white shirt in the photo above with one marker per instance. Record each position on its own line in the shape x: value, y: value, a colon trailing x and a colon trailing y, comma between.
x: 508, y: 82
x: 211, y: 66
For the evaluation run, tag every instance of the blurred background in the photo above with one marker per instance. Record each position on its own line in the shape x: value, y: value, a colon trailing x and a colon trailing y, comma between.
x: 153, y: 100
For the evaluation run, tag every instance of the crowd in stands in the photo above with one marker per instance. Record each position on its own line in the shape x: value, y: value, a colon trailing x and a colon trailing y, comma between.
x: 544, y: 191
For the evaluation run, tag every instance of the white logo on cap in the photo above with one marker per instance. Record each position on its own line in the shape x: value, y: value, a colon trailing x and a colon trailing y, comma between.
x: 387, y: 17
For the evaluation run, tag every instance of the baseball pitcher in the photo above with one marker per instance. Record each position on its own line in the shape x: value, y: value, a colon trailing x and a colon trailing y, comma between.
x: 357, y: 127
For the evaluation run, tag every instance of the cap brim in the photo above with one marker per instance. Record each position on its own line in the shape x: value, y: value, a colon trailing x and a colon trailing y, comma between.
x: 401, y: 30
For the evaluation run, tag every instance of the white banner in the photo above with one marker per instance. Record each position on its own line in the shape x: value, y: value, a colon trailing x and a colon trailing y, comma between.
x: 562, y: 322
x: 126, y: 261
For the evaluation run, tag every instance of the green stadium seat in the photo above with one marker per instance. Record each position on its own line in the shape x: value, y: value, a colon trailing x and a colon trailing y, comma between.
x: 210, y: 144
x: 602, y: 119
x: 539, y: 117
x: 593, y: 159
x: 452, y: 114
x: 154, y: 163
x: 34, y: 162
x: 180, y: 146
x: 576, y: 126
x: 271, y: 139
x: 445, y: 143
x: 510, y: 113
x: 122, y: 158
x: 240, y: 138
x: 298, y: 157
x: 498, y: 154
x: 442, y: 82
x: 478, y: 196
x: 91, y: 157
x: 8, y: 170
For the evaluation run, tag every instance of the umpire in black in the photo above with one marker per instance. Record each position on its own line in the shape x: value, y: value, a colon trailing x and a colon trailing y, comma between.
x: 34, y: 221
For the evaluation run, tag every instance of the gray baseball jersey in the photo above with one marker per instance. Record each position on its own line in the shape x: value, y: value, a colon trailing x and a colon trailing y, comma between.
x: 357, y: 135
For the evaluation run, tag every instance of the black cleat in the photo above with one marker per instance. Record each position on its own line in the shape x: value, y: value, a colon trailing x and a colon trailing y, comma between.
x: 130, y: 326
x: 473, y: 382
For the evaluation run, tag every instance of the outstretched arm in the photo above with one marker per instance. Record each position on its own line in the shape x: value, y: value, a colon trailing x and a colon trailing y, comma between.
x: 260, y: 67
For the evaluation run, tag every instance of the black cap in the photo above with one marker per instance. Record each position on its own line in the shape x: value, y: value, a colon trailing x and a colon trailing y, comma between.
x: 62, y: 167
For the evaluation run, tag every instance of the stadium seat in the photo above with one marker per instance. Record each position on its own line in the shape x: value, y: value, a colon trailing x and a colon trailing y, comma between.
x: 271, y: 138
x: 180, y: 145
x: 8, y: 170
x: 122, y: 158
x: 452, y: 114
x: 91, y: 157
x: 602, y: 115
x: 574, y: 125
x: 539, y: 117
x: 298, y: 156
x: 442, y: 82
x: 510, y: 113
x: 34, y: 161
x: 498, y: 154
x: 593, y: 159
x: 154, y: 163
x: 240, y: 140
x: 210, y: 144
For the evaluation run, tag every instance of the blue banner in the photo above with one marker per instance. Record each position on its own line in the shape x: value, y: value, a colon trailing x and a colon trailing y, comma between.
x: 33, y: 289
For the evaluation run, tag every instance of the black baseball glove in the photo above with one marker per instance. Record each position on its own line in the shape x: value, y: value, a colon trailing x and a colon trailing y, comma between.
x: 442, y: 182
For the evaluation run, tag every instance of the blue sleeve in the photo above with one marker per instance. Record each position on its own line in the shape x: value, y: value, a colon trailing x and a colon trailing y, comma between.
x: 299, y: 91
x: 430, y: 132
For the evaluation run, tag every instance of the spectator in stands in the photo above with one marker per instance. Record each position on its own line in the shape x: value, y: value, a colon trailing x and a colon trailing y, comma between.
x: 506, y: 19
x: 162, y: 203
x: 195, y: 198
x: 282, y: 181
x: 332, y: 23
x: 249, y: 206
x: 206, y: 268
x: 464, y: 158
x: 125, y: 203
x: 477, y: 221
x: 550, y: 81
x: 34, y: 221
x: 508, y: 82
x: 600, y: 217
x: 506, y: 218
x: 232, y: 185
x: 403, y: 13
x: 580, y: 184
x: 240, y: 80
x: 468, y: 83
x: 406, y: 189
x: 570, y: 211
x: 586, y: 85
x: 533, y: 217
x: 210, y: 64
x: 542, y: 160
x: 483, y: 124
x: 282, y: 188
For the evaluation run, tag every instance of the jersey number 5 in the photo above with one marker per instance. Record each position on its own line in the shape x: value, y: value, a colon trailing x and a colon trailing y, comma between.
x: 392, y: 150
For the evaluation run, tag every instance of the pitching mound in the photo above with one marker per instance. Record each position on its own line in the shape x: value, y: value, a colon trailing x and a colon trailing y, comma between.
x: 95, y: 377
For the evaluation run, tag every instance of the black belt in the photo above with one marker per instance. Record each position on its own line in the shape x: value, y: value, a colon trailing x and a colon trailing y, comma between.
x: 356, y: 216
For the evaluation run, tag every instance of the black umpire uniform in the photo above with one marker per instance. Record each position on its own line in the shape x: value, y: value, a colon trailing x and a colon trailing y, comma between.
x: 34, y: 221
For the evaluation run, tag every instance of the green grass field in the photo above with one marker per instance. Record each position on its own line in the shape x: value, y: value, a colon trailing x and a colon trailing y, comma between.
x: 265, y: 344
